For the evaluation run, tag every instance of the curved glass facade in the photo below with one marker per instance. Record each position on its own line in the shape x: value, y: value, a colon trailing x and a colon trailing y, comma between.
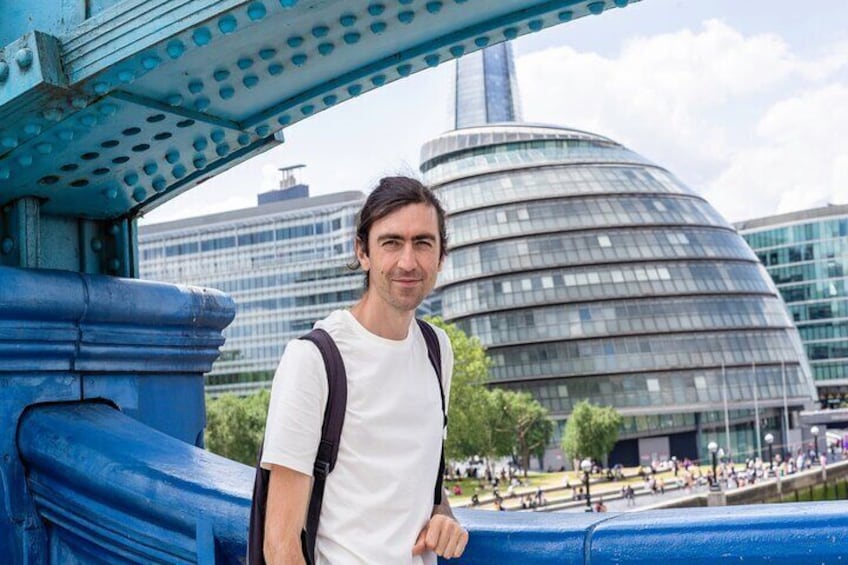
x: 806, y: 254
x: 589, y: 272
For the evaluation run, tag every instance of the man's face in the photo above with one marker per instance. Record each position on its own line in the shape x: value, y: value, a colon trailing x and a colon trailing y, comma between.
x: 404, y: 256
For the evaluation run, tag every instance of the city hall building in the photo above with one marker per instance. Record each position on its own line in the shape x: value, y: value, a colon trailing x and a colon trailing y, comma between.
x: 806, y: 254
x: 589, y: 272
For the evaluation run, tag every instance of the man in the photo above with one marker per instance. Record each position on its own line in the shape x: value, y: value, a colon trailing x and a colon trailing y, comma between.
x: 378, y: 503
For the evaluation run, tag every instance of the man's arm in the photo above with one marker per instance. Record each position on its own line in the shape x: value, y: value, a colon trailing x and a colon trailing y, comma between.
x: 442, y: 534
x: 288, y: 497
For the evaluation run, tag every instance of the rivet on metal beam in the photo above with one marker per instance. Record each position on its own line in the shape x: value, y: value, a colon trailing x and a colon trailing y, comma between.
x: 256, y: 11
x: 139, y: 194
x: 96, y: 245
x: 8, y: 245
x: 150, y: 62
x: 53, y: 114
x: 201, y: 36
x: 376, y: 9
x: 175, y: 49
x: 24, y: 58
x: 596, y: 8
x: 432, y: 60
x: 227, y: 24
x: 114, y: 265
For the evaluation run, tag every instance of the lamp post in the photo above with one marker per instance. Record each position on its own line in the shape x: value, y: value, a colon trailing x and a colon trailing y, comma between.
x: 769, y: 440
x: 815, y: 431
x: 713, y: 447
x: 586, y: 465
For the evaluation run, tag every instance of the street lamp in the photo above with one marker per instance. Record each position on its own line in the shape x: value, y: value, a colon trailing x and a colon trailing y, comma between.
x: 815, y: 431
x: 713, y: 447
x: 769, y: 440
x: 586, y: 465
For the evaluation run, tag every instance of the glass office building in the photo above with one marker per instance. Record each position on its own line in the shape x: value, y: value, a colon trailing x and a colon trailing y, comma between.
x: 485, y: 89
x: 806, y: 254
x: 284, y: 263
x: 589, y: 272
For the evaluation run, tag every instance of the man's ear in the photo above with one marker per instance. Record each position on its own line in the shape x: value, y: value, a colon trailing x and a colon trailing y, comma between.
x: 361, y: 256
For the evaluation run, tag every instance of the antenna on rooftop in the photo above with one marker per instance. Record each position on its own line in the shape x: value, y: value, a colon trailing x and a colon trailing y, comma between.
x: 288, y: 179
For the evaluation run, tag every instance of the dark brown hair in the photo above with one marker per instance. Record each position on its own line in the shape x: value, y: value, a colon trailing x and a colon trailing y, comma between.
x: 393, y: 193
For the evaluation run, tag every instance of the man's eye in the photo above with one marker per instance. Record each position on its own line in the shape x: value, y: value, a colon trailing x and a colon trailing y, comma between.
x: 391, y: 243
x: 425, y: 243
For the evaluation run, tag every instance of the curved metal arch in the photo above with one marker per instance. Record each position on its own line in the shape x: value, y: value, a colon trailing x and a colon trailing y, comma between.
x: 147, y: 99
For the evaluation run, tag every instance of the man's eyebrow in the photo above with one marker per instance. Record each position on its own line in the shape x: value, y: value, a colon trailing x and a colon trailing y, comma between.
x: 420, y: 237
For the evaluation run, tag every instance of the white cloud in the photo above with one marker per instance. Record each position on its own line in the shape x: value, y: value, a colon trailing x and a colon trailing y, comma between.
x: 797, y: 161
x: 709, y: 106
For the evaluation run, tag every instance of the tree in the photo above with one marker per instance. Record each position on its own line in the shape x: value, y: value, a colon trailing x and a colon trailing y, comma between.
x: 532, y: 425
x: 235, y: 425
x: 591, y: 431
x: 468, y: 411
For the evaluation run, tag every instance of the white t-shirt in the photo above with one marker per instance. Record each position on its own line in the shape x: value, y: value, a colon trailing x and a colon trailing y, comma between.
x: 380, y: 493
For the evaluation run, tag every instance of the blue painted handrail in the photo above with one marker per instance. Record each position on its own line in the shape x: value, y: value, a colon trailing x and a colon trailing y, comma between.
x: 112, y: 489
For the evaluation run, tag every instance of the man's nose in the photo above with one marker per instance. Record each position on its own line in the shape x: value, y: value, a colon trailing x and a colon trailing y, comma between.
x: 406, y: 261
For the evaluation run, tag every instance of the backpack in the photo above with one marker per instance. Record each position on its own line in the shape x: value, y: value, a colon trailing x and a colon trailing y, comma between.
x: 328, y: 448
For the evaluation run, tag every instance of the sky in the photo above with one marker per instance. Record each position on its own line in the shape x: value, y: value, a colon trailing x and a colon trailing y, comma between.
x: 745, y: 101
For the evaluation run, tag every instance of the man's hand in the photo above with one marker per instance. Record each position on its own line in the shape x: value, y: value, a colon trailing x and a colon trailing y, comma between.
x: 443, y: 535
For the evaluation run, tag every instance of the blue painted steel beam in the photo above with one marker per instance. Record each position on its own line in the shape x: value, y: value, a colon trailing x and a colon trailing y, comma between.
x: 141, y: 100
x: 125, y: 493
x: 65, y: 336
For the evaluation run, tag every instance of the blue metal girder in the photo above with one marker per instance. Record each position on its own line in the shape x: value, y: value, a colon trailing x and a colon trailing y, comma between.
x: 145, y: 99
x: 128, y: 494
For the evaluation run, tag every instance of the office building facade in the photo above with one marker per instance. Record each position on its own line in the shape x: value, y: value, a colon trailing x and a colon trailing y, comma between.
x: 806, y: 254
x: 589, y: 272
x: 284, y: 263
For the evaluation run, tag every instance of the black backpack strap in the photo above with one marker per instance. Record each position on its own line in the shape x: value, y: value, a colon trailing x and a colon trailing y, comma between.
x: 256, y: 529
x: 331, y: 432
x: 434, y: 352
